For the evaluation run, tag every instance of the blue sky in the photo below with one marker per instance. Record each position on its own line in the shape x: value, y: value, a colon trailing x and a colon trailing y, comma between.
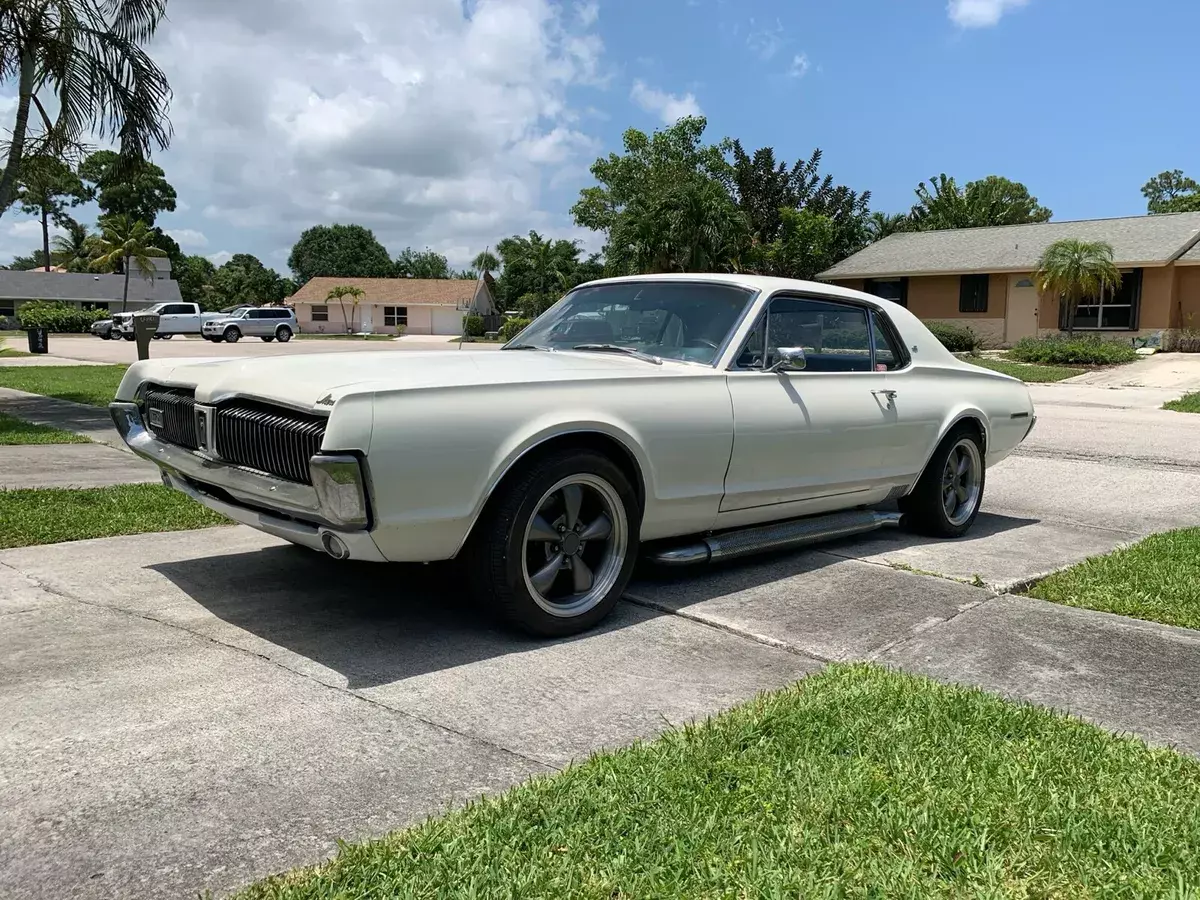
x: 449, y: 124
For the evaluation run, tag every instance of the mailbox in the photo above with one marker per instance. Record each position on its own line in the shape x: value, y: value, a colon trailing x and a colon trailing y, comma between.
x: 145, y: 325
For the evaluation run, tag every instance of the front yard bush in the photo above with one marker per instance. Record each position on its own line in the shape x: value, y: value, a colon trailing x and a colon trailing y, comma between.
x: 474, y: 326
x: 1059, y: 350
x: 955, y: 338
x: 512, y: 327
x: 62, y: 318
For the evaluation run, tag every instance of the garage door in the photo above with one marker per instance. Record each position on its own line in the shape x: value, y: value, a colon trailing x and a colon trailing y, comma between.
x: 447, y: 321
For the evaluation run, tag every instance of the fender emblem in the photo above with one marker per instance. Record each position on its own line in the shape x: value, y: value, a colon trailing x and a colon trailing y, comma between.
x: 327, y: 400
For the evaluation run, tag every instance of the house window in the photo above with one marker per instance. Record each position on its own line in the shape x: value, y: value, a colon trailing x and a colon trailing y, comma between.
x: 894, y: 289
x: 395, y: 315
x: 8, y: 308
x: 320, y: 313
x: 93, y: 306
x: 973, y: 294
x: 1112, y: 310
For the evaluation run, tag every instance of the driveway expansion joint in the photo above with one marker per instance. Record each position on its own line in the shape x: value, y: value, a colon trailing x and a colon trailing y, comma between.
x: 50, y: 589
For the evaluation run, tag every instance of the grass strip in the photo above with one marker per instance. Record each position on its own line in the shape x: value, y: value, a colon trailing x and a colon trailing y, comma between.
x: 52, y: 515
x: 857, y: 782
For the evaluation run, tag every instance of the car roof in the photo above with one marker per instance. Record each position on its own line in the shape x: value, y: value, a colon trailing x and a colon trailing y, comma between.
x: 763, y: 283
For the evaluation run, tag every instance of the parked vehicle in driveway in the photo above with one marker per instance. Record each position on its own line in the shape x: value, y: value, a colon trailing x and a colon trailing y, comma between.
x: 694, y: 418
x: 103, y: 328
x: 271, y: 323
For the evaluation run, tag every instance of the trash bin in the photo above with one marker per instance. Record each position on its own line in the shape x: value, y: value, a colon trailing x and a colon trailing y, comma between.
x: 39, y: 340
x: 145, y: 324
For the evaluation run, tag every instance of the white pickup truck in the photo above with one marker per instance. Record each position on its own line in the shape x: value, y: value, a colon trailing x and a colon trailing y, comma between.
x: 173, y: 319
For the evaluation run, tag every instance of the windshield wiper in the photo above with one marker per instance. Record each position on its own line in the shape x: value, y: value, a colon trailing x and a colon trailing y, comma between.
x: 617, y: 348
x: 527, y: 347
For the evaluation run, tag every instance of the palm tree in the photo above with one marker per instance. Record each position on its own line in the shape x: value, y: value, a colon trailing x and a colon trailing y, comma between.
x: 1073, y: 269
x: 485, y: 262
x: 125, y: 242
x: 340, y: 293
x: 881, y: 225
x: 88, y: 55
x: 71, y: 250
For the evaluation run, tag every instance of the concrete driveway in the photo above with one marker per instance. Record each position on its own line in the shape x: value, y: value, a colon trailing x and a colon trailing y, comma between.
x: 190, y: 711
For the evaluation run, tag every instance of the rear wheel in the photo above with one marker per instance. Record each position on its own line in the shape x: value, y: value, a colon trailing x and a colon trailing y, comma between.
x: 128, y: 337
x: 948, y: 495
x: 167, y: 337
x: 232, y: 334
x: 283, y: 333
x: 556, y: 547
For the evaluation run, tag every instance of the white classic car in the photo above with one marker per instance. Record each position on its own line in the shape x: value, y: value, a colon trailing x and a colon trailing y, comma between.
x: 693, y: 417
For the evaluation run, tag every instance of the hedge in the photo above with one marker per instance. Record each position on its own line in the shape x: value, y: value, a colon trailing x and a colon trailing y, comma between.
x: 512, y: 327
x: 59, y: 317
x: 1059, y: 350
x: 955, y: 338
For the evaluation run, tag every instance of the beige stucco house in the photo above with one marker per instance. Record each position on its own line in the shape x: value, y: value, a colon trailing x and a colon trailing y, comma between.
x: 394, y: 305
x: 981, y: 277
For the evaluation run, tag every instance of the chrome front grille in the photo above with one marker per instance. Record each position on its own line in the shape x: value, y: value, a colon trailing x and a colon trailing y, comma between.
x: 171, y: 415
x: 268, y: 438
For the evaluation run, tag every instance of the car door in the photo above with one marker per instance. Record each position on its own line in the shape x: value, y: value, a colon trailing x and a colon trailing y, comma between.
x: 805, y: 436
x: 168, y: 318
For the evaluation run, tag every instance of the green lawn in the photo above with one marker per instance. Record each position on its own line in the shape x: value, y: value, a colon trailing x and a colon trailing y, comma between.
x: 1027, y: 373
x: 6, y: 352
x: 857, y: 782
x: 93, y: 385
x: 344, y: 337
x: 1189, y: 403
x: 17, y: 431
x: 51, y: 515
x: 1156, y: 579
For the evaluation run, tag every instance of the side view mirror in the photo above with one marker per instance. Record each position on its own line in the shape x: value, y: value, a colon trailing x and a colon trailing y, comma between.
x: 789, y: 359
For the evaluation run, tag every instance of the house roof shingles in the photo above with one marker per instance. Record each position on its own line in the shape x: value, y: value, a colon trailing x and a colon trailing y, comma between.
x: 1144, y: 240
x: 44, y: 285
x: 453, y: 292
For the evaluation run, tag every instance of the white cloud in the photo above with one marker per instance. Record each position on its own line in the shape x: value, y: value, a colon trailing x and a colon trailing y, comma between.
x: 188, y: 237
x: 799, y: 67
x: 433, y: 122
x: 220, y: 257
x: 19, y: 236
x: 766, y: 41
x: 981, y: 13
x: 669, y: 107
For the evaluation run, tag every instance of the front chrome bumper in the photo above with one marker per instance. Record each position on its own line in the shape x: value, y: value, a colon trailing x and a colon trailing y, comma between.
x: 296, y: 512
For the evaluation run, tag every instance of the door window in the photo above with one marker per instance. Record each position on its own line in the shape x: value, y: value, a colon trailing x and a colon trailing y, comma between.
x: 889, y: 354
x: 835, y: 336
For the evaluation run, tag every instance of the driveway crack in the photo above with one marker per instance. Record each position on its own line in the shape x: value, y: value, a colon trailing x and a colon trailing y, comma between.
x: 146, y: 617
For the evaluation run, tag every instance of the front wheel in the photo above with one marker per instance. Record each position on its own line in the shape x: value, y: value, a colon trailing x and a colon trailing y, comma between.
x: 167, y: 337
x: 556, y: 547
x: 948, y: 495
x: 128, y: 337
x: 232, y: 334
x: 283, y: 333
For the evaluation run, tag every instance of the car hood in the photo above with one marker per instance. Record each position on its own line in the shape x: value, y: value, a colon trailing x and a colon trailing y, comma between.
x: 319, y: 380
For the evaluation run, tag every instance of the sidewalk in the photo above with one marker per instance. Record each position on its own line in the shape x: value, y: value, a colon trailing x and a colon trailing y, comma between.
x: 70, y: 465
x: 92, y: 422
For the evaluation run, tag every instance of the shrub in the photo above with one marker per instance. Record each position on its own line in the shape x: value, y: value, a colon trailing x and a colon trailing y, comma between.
x: 59, y: 317
x: 1058, y: 350
x: 474, y: 326
x: 511, y: 327
x: 955, y: 338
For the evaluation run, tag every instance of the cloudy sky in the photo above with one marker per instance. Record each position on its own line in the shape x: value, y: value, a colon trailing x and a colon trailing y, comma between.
x: 452, y: 124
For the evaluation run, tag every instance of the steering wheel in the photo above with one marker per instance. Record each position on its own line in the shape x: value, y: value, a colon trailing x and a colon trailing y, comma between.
x: 702, y: 342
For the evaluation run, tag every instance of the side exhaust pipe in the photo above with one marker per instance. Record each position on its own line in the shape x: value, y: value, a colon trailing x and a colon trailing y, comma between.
x: 776, y: 536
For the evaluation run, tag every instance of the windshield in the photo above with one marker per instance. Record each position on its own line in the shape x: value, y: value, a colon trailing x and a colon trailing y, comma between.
x: 670, y: 319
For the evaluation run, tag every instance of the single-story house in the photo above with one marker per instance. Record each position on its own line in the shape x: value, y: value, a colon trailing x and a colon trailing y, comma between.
x: 85, y: 290
x: 982, y: 277
x: 394, y: 305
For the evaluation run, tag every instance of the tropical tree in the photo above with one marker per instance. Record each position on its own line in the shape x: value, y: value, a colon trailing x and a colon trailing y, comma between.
x: 989, y: 201
x: 195, y: 277
x: 124, y: 241
x: 1072, y: 270
x: 1171, y: 192
x: 536, y: 271
x: 486, y: 262
x: 87, y: 55
x: 880, y: 225
x: 136, y: 189
x: 244, y: 279
x: 73, y: 249
x: 422, y: 264
x: 340, y: 293
x: 340, y: 251
x: 47, y: 187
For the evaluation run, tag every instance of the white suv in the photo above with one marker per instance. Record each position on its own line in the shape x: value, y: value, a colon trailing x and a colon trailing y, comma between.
x: 270, y: 323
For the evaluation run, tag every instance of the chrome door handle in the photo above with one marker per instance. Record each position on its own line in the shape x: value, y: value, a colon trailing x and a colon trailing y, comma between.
x: 889, y: 395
